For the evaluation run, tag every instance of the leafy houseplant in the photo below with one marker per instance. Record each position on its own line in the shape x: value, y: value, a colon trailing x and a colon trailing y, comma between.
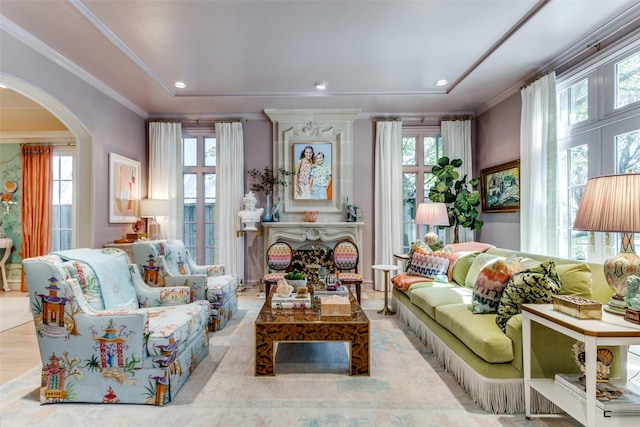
x: 461, y: 196
x: 266, y: 179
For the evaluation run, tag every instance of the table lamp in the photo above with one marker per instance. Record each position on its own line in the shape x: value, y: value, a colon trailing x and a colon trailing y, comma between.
x: 152, y: 208
x: 432, y: 214
x: 612, y: 204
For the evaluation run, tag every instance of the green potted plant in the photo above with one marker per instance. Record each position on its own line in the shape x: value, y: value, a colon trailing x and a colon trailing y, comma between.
x: 461, y: 197
x: 296, y: 279
x: 265, y: 181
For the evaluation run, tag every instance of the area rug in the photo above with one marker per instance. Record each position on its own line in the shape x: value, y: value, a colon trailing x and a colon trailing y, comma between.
x: 406, y: 388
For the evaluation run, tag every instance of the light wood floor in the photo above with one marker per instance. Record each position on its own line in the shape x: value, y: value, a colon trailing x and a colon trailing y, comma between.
x: 19, y: 347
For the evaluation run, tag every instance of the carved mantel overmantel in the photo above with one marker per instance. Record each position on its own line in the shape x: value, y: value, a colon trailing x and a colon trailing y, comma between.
x: 301, y: 233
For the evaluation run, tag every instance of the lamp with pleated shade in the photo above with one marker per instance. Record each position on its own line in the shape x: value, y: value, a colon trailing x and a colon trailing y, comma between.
x: 432, y: 214
x: 612, y: 204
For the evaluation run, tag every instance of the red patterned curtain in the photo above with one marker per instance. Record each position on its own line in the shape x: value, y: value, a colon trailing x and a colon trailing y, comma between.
x: 37, y: 188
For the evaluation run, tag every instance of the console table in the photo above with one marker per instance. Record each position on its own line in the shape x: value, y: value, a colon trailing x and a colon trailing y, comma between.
x: 612, y: 330
x: 5, y: 243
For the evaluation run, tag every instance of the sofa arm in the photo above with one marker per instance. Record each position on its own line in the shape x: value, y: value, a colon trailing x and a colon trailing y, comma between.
x: 156, y: 297
x: 208, y: 270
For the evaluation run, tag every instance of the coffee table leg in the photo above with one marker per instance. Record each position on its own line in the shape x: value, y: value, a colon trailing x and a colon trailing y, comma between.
x: 264, y: 353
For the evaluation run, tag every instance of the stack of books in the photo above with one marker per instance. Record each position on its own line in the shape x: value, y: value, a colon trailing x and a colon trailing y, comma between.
x: 292, y: 301
x: 613, y: 397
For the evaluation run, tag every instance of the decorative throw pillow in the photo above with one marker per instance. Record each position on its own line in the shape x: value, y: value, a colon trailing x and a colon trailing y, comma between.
x: 432, y: 265
x: 478, y: 263
x: 88, y: 283
x: 532, y: 286
x: 491, y: 282
x: 415, y: 245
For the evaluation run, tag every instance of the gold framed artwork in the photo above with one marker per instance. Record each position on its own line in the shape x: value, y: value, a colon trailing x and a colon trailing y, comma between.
x: 500, y: 188
x: 124, y: 188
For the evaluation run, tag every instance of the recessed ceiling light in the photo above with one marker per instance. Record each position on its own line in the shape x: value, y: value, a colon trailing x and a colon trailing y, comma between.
x: 321, y: 85
x: 180, y: 85
x: 442, y: 82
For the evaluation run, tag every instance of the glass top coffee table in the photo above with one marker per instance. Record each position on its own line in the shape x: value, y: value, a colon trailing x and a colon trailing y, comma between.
x: 307, y: 324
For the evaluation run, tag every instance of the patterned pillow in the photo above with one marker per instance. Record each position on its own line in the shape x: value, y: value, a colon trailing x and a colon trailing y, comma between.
x: 433, y: 265
x: 415, y: 245
x: 88, y: 282
x: 533, y: 286
x: 490, y: 283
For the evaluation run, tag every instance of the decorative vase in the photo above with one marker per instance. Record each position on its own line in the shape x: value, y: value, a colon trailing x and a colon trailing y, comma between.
x: 267, y: 210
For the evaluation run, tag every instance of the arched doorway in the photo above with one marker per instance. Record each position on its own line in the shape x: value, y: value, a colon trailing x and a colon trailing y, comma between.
x: 83, y: 201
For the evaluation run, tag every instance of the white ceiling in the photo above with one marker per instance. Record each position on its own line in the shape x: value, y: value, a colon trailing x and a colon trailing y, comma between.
x: 383, y: 57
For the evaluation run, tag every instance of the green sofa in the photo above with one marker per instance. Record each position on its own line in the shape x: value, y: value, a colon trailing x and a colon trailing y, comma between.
x: 486, y: 361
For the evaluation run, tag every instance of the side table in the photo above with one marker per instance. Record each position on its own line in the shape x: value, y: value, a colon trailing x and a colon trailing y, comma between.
x: 386, y: 268
x: 5, y: 243
x: 612, y: 330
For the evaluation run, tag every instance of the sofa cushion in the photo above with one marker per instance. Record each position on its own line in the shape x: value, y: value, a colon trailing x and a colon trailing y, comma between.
x: 532, y: 286
x: 433, y: 265
x: 172, y: 328
x: 575, y: 279
x: 480, y: 261
x: 477, y: 331
x: 88, y: 282
x: 439, y: 294
x: 462, y: 266
x: 491, y: 282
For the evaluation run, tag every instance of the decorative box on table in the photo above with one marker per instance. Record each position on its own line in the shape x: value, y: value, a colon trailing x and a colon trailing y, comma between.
x: 579, y: 307
x: 292, y: 301
x: 632, y: 316
x: 335, y: 306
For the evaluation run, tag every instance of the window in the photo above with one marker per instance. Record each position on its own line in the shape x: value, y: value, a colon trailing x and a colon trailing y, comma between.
x: 420, y: 151
x: 199, y: 196
x: 62, y: 212
x: 607, y: 144
x: 573, y: 104
x: 627, y: 76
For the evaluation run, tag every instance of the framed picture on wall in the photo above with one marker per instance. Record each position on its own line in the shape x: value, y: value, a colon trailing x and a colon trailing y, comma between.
x: 500, y: 188
x: 124, y: 188
x: 314, y: 175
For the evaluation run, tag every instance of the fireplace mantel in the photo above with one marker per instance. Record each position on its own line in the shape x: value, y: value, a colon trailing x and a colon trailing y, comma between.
x: 301, y: 233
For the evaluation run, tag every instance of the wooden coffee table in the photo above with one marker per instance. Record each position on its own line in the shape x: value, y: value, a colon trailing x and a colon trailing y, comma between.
x: 306, y: 324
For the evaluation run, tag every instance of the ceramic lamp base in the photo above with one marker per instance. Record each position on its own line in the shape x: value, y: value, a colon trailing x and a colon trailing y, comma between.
x: 155, y: 233
x: 616, y: 271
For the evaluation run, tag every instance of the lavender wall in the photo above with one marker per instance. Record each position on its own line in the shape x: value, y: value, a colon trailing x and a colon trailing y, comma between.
x: 111, y: 126
x: 498, y: 141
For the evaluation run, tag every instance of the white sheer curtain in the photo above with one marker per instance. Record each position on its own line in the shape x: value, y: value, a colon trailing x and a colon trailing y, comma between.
x: 538, y: 167
x: 456, y: 144
x: 165, y: 173
x: 388, y: 195
x: 229, y: 192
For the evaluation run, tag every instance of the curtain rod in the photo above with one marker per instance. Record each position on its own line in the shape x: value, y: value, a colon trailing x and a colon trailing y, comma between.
x: 65, y: 144
x: 537, y: 77
x: 197, y: 122
x: 456, y: 118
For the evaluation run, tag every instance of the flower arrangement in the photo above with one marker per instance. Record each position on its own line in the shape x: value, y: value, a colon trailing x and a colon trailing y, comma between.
x: 138, y: 226
x: 266, y: 179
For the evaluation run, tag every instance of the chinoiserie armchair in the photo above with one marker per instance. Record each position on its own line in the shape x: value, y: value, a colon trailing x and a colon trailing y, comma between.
x: 168, y: 263
x: 105, y: 336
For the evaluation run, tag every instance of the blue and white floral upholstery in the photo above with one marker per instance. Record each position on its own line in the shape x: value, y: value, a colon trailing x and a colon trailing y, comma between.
x: 107, y: 337
x: 168, y: 263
